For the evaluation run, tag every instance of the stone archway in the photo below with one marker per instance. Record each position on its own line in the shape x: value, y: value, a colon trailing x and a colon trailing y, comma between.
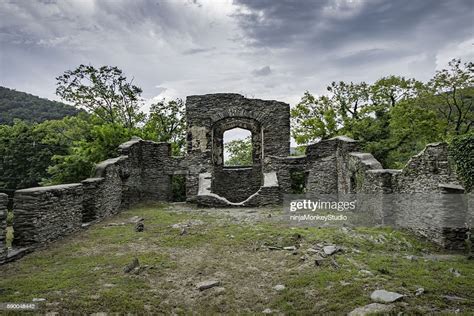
x: 236, y: 183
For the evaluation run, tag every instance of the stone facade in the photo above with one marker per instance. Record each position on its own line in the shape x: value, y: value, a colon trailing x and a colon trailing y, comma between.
x: 141, y: 173
x: 144, y: 169
x: 425, y: 197
x: 46, y: 214
x: 209, y: 182
x: 3, y: 226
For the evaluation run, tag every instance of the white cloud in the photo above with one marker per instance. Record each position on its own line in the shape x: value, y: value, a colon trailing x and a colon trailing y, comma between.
x: 463, y: 50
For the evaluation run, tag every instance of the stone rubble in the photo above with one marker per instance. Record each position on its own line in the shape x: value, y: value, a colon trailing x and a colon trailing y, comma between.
x: 383, y: 296
x: 373, y: 308
x: 201, y: 286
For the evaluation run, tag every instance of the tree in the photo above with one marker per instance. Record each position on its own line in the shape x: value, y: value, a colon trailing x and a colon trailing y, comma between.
x: 240, y: 152
x: 390, y: 118
x: 348, y: 99
x: 105, y: 92
x: 98, y: 144
x: 451, y: 92
x: 313, y: 118
x: 167, y: 123
x: 26, y: 150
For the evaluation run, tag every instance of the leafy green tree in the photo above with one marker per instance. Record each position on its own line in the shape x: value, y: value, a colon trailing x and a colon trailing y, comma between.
x: 313, y: 118
x: 357, y: 110
x: 100, y: 143
x: 240, y: 152
x: 393, y: 118
x: 348, y: 100
x: 451, y: 93
x: 412, y: 125
x: 26, y: 150
x: 167, y: 123
x: 104, y: 92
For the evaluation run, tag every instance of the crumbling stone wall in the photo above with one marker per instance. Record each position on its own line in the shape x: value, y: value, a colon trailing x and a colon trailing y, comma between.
x: 3, y: 226
x: 425, y: 197
x: 144, y: 169
x: 426, y: 170
x: 141, y: 173
x: 208, y: 117
x: 431, y: 198
x: 327, y: 165
x: 46, y: 214
x: 236, y: 184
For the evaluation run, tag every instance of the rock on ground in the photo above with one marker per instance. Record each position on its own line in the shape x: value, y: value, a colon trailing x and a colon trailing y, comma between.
x: 207, y: 284
x: 371, y: 309
x: 279, y: 287
x: 139, y: 227
x: 329, y: 250
x: 383, y: 296
x: 132, y: 265
x: 135, y: 219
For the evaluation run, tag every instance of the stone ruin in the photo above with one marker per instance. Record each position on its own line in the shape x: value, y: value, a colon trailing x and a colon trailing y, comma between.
x: 144, y: 171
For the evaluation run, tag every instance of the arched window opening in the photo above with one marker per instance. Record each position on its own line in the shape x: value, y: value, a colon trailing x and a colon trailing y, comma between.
x: 238, y: 147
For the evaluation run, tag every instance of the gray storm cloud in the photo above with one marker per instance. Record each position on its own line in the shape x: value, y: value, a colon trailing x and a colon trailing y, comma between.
x: 178, y: 48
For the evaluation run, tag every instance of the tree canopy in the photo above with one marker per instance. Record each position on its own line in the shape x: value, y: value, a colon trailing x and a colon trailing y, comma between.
x: 105, y: 91
x: 240, y: 152
x: 393, y: 118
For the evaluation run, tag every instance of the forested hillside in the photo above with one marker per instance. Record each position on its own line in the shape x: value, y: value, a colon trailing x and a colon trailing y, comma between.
x: 20, y: 105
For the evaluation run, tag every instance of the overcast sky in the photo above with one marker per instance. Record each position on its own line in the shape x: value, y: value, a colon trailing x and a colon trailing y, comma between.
x: 271, y: 49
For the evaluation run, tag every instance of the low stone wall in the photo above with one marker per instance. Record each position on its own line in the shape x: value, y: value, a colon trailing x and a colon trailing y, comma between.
x: 236, y: 184
x: 46, y: 214
x: 425, y: 197
x: 144, y: 169
x: 3, y: 226
x: 141, y: 173
x: 104, y: 194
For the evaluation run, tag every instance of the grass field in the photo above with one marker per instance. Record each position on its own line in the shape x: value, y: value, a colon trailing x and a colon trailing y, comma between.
x: 84, y: 273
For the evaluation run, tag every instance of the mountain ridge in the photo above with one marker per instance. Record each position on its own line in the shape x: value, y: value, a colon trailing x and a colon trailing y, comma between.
x: 25, y: 106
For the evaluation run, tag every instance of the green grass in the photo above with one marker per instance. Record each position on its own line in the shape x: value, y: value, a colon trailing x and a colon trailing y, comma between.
x: 84, y: 273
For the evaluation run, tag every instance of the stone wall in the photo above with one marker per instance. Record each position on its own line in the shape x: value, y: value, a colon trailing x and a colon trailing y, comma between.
x: 46, y: 214
x: 141, y: 173
x: 144, y: 169
x: 236, y: 184
x: 208, y: 117
x: 430, y: 199
x: 425, y: 197
x: 3, y: 226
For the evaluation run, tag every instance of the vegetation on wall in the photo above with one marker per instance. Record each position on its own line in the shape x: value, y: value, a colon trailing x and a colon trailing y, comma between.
x: 462, y: 151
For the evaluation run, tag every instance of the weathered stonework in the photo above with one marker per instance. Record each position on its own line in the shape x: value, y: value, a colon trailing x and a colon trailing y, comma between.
x: 46, y: 214
x: 3, y: 226
x: 208, y: 117
x: 144, y: 169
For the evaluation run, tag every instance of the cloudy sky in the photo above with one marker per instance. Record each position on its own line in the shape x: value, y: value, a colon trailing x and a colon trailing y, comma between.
x: 272, y: 49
